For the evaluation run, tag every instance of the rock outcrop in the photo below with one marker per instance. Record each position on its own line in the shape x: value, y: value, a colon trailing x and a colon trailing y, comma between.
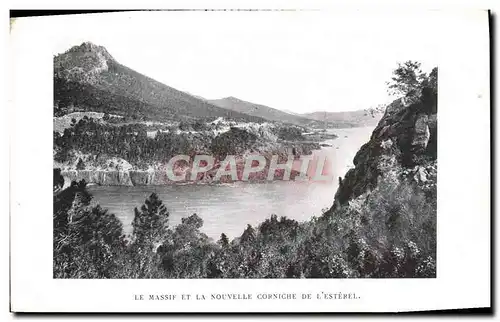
x: 405, y: 137
x: 159, y: 176
x: 251, y: 139
x: 82, y: 63
x: 87, y: 78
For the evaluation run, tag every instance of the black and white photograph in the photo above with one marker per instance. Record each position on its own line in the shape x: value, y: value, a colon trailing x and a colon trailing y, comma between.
x: 244, y: 145
x: 153, y: 181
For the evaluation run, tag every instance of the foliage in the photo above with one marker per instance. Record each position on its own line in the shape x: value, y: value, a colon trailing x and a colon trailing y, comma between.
x: 129, y: 142
x: 197, y: 125
x: 223, y: 241
x: 80, y: 165
x: 58, y: 181
x: 390, y: 232
x: 87, y: 239
x: 150, y: 228
x: 407, y: 80
x: 290, y: 133
x: 232, y: 142
x: 150, y: 223
x: 432, y: 80
x: 82, y: 81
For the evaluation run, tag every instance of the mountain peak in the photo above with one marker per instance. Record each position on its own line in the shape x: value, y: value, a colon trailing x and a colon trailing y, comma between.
x: 231, y: 98
x: 82, y: 63
x: 90, y: 47
x: 86, y: 77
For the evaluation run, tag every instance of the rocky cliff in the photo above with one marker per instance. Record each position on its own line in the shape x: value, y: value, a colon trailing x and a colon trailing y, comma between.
x: 404, y: 143
x: 158, y: 175
x: 80, y: 154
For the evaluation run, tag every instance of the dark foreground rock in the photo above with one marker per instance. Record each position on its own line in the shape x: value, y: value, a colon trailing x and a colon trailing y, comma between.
x: 406, y: 136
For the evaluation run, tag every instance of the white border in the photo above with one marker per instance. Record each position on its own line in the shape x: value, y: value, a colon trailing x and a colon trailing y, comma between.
x: 463, y: 203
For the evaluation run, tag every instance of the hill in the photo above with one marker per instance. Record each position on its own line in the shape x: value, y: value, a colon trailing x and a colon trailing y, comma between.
x: 88, y: 78
x: 347, y: 119
x: 382, y: 223
x: 266, y: 112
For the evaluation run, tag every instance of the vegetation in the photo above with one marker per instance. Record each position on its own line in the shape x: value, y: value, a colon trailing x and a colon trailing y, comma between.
x: 87, y: 238
x: 87, y: 78
x: 386, y: 230
x: 389, y: 233
x: 290, y: 133
x: 128, y: 141
x: 233, y: 142
x: 131, y: 142
x: 409, y: 80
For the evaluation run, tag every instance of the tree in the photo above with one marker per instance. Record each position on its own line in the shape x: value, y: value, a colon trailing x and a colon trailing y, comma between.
x: 87, y: 238
x: 80, y: 165
x: 149, y: 234
x: 431, y: 81
x: 430, y: 92
x: 248, y: 235
x: 151, y: 222
x: 407, y: 80
x: 223, y: 241
x: 188, y: 231
x: 58, y: 179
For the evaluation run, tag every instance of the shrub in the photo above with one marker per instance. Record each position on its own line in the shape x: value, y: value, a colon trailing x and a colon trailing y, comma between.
x: 86, y: 238
x: 388, y: 232
x: 80, y: 165
x: 407, y: 79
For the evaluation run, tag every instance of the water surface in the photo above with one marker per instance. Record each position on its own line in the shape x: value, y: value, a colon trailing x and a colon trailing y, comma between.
x: 228, y: 208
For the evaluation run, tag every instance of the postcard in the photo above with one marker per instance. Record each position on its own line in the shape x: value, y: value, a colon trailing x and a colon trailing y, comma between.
x: 250, y: 161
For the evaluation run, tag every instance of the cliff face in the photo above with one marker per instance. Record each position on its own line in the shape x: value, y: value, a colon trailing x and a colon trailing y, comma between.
x: 115, y: 178
x: 405, y: 141
x: 80, y: 162
x: 159, y: 176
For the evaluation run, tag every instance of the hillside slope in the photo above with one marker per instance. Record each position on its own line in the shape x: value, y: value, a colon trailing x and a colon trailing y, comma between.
x: 266, y: 112
x: 346, y: 119
x: 404, y: 143
x: 88, y: 78
x: 385, y: 208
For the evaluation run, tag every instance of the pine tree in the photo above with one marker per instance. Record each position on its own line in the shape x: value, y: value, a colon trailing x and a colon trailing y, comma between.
x: 151, y: 222
x: 223, y: 241
x: 149, y: 233
x: 80, y: 165
x: 407, y: 80
x: 58, y: 180
x: 248, y: 235
x: 87, y: 238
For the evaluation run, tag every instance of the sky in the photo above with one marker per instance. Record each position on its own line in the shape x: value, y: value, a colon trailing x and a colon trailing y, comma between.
x: 299, y: 61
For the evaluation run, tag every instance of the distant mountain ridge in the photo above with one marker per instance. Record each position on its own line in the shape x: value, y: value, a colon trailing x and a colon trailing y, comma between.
x: 348, y: 118
x: 345, y: 119
x: 88, y: 78
x: 263, y: 111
